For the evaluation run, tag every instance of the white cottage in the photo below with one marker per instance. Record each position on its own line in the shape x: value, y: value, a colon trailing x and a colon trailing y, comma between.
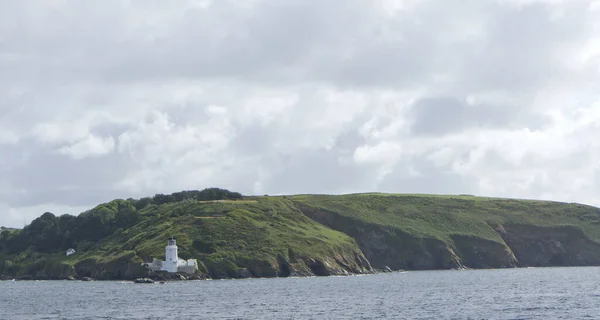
x: 70, y: 252
x: 172, y: 262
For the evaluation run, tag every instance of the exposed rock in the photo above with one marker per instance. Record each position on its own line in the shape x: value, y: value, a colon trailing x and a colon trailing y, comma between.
x: 166, y: 276
x: 483, y: 253
x: 285, y: 268
x: 242, y: 273
x: 143, y: 280
x: 518, y: 245
x: 87, y: 279
x: 127, y: 266
x: 198, y: 276
x: 263, y: 269
x: 181, y: 277
x: 299, y: 269
x: 387, y: 246
x: 319, y: 267
x: 551, y: 246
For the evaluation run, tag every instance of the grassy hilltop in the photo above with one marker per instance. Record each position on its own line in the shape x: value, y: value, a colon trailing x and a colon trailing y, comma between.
x: 234, y: 236
x: 437, y: 231
x: 230, y: 236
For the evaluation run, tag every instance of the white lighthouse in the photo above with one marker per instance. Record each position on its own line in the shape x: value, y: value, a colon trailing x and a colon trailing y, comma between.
x: 172, y: 262
x: 171, y: 258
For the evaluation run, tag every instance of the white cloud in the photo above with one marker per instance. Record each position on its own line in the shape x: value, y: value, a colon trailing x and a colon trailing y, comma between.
x: 8, y: 137
x: 20, y: 216
x: 157, y: 147
x: 91, y: 146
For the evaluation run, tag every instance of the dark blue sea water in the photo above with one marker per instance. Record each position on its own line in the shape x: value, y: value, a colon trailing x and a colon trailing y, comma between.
x: 540, y: 293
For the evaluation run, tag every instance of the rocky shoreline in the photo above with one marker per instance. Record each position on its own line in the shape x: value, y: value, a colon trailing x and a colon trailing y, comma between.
x: 167, y: 277
x: 162, y: 277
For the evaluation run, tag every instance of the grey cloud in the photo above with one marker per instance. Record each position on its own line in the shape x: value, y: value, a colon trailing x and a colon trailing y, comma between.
x: 443, y: 115
x: 341, y: 42
x: 40, y: 175
x: 195, y: 43
x: 427, y: 178
x: 114, y: 67
x: 254, y: 139
x: 318, y: 171
x: 525, y: 47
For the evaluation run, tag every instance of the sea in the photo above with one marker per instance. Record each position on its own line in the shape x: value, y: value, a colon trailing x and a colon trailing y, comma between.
x: 524, y: 293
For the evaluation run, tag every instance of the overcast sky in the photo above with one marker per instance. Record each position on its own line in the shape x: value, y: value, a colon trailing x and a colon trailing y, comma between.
x: 115, y: 99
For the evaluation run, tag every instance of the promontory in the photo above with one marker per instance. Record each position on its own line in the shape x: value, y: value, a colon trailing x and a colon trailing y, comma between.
x: 235, y: 236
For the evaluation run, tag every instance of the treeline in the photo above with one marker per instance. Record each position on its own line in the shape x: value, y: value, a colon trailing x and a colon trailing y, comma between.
x: 204, y: 195
x: 51, y: 233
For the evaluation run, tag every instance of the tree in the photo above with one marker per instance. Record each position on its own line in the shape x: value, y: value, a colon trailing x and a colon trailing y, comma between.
x: 43, y: 233
x: 142, y: 203
x: 126, y: 217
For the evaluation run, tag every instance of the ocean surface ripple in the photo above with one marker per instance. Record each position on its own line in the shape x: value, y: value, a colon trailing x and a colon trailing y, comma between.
x: 530, y: 293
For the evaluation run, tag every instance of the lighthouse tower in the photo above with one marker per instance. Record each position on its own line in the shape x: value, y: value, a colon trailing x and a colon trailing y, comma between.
x: 172, y: 262
x: 171, y: 258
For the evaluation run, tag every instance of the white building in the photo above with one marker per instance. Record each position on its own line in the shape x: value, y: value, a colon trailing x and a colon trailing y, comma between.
x: 70, y: 252
x: 172, y: 262
x: 171, y: 259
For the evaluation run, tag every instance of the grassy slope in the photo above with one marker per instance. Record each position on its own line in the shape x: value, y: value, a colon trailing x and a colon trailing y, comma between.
x: 440, y: 216
x: 252, y: 233
x: 224, y: 235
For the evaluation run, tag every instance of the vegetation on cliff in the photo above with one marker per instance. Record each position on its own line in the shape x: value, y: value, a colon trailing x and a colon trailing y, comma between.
x: 234, y: 236
x: 231, y: 237
x: 441, y: 232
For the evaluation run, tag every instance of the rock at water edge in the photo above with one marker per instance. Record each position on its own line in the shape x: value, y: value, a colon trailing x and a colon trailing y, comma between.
x: 144, y: 280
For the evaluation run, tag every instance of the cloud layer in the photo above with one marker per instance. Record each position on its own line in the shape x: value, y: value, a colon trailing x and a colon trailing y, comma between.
x: 117, y: 99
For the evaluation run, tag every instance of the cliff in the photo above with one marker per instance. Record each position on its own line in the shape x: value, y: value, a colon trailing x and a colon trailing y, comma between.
x: 304, y: 235
x: 420, y: 232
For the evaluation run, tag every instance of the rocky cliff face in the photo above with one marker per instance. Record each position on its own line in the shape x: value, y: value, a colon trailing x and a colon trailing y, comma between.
x: 480, y: 253
x: 388, y: 246
x: 343, y: 262
x: 550, y: 246
x: 521, y: 245
x: 125, y: 267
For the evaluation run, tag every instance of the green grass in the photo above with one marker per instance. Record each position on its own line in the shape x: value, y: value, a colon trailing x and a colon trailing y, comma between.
x: 243, y: 234
x: 441, y: 216
x: 253, y: 233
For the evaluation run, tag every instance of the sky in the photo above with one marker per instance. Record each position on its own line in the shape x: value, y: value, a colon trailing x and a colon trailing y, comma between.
x: 115, y: 99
